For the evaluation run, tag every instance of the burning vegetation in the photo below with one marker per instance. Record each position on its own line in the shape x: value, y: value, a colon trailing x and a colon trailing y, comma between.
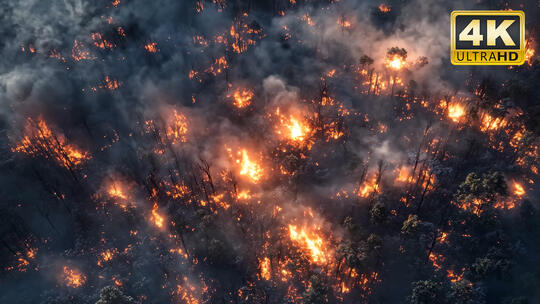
x: 299, y: 152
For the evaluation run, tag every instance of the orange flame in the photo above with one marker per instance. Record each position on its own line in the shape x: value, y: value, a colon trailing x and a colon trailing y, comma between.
x: 518, y: 189
x: 249, y: 168
x: 310, y: 241
x: 242, y: 98
x: 395, y: 62
x: 156, y: 218
x: 151, y: 47
x: 177, y: 127
x: 264, y: 266
x: 368, y: 187
x: 384, y: 8
x: 456, y: 112
x: 73, y: 277
x: 40, y: 140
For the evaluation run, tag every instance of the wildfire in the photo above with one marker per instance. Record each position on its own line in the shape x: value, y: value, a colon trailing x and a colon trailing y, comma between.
x: 106, y: 256
x: 79, y: 52
x: 454, y: 277
x: 156, y: 218
x: 518, y: 189
x: 40, y: 140
x: 293, y: 128
x: 242, y: 98
x: 100, y: 42
x: 529, y: 52
x: 243, y: 195
x: 264, y: 266
x: 151, y: 47
x: 310, y: 241
x: 73, y: 277
x: 395, y: 62
x: 456, y: 112
x: 384, y: 8
x: 177, y: 127
x: 436, y: 260
x: 368, y: 187
x: 475, y: 206
x: 297, y: 130
x: 404, y: 175
x: 489, y: 123
x: 116, y: 190
x: 190, y: 293
x: 249, y: 168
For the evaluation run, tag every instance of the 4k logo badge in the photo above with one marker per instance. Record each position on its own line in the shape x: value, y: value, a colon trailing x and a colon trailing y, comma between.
x: 487, y: 37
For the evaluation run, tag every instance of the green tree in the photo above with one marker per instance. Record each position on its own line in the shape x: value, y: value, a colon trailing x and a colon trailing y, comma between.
x: 411, y: 225
x: 317, y: 293
x: 113, y: 295
x: 463, y: 292
x: 378, y: 213
x: 426, y: 292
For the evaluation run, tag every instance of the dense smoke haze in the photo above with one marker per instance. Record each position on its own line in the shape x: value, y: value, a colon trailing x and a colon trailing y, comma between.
x: 231, y: 151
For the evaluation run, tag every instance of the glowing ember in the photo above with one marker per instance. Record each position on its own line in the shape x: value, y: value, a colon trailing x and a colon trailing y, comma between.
x: 264, y: 266
x: 242, y: 98
x: 384, y: 8
x: 106, y: 256
x: 151, y: 47
x: 518, y: 189
x: 40, y: 140
x: 310, y: 241
x: 100, y: 42
x: 156, y: 218
x: 73, y: 277
x: 116, y: 190
x: 454, y: 277
x: 79, y: 52
x: 177, y: 127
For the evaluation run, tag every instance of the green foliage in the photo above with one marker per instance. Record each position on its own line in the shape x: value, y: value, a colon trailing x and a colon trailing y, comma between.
x: 463, y: 292
x: 401, y: 52
x: 348, y: 223
x: 113, y: 295
x: 495, y: 262
x: 374, y: 243
x: 485, y: 187
x: 378, y: 213
x: 410, y: 225
x: 518, y: 300
x: 349, y: 253
x: 317, y: 293
x: 366, y: 60
x: 426, y: 292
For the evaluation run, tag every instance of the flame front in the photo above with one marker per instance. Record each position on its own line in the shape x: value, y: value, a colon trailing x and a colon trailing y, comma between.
x: 310, y: 241
x: 40, y: 140
x: 456, y: 112
x: 249, y: 168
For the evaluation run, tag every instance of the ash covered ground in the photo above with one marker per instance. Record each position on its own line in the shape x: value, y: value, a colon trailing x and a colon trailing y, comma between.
x: 263, y: 152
